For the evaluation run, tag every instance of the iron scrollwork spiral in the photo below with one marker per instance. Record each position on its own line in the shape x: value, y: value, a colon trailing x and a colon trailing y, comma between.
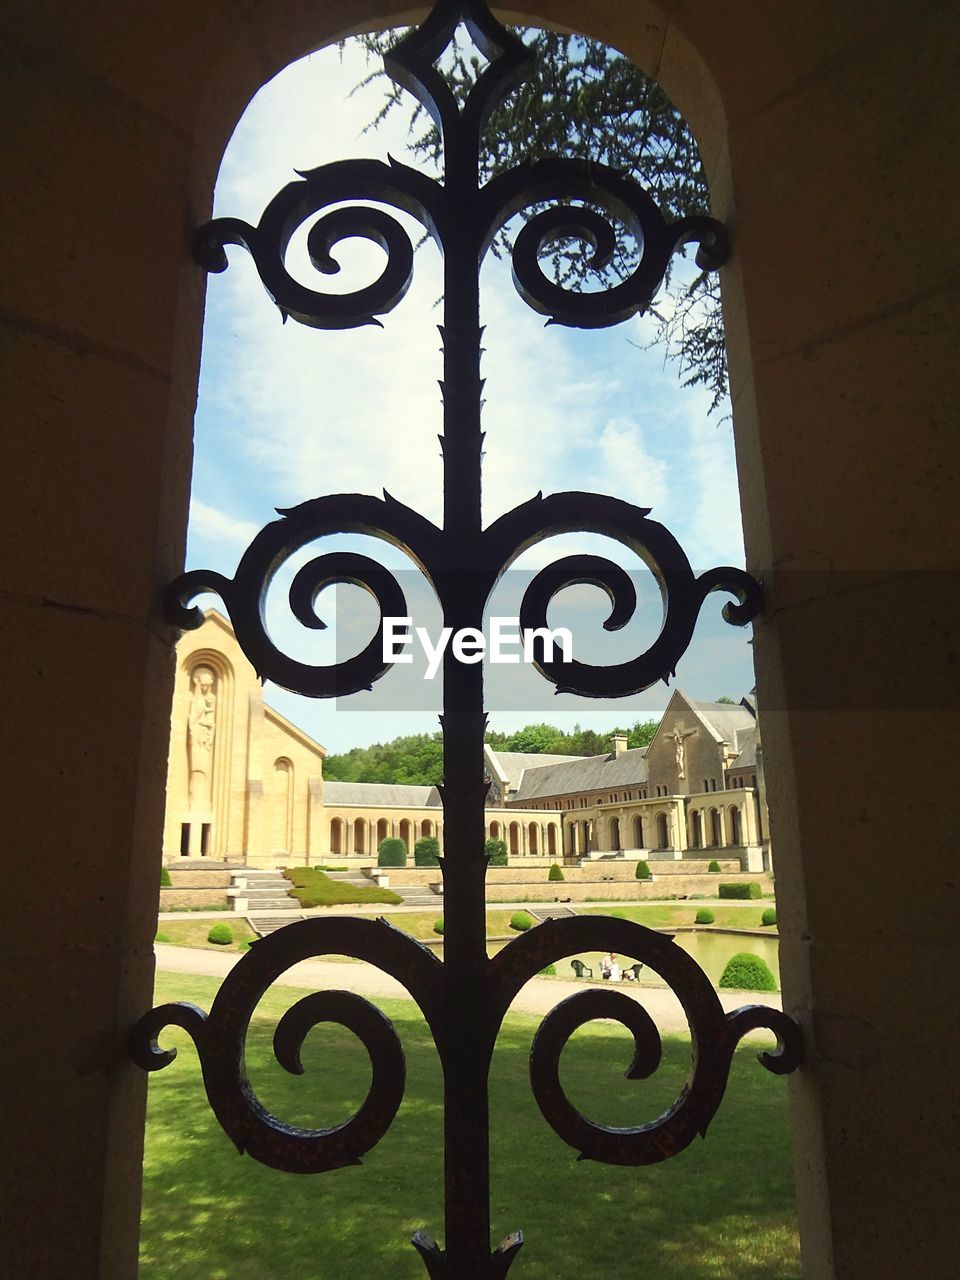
x: 714, y: 1035
x: 220, y: 1040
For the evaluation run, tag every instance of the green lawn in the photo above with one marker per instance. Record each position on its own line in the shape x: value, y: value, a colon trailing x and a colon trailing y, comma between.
x: 193, y: 933
x: 664, y: 915
x: 723, y: 1210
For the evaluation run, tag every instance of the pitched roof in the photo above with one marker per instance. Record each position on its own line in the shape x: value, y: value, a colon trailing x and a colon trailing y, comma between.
x: 374, y: 794
x: 725, y: 720
x: 747, y: 742
x: 586, y: 773
x: 510, y: 765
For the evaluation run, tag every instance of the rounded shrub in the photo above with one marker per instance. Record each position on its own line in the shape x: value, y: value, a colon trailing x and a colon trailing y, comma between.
x: 549, y: 972
x: 705, y: 916
x: 392, y: 852
x: 714, y: 867
x: 221, y: 934
x: 618, y: 915
x: 496, y: 851
x: 769, y: 916
x: 521, y: 921
x: 643, y: 870
x: 555, y: 872
x: 426, y: 852
x: 165, y: 881
x: 747, y: 972
x: 438, y: 926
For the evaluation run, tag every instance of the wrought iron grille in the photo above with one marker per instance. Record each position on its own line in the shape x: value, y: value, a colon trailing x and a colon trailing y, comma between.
x: 465, y: 997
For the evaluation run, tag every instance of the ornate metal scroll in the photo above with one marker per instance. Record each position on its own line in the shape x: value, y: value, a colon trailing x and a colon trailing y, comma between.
x: 465, y: 998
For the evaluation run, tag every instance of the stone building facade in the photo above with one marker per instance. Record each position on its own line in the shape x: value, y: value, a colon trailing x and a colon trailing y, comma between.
x: 246, y: 785
x: 696, y: 787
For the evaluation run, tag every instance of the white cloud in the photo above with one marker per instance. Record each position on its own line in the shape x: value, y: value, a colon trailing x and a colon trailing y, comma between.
x: 288, y: 413
x: 217, y: 526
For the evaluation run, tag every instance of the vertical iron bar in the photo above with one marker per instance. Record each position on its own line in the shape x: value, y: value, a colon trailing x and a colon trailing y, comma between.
x: 467, y: 1213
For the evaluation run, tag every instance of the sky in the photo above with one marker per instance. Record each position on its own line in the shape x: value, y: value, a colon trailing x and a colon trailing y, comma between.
x: 286, y: 413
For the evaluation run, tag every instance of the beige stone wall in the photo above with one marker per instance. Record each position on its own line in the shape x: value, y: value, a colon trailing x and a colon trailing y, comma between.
x: 182, y: 899
x: 257, y: 803
x: 599, y: 891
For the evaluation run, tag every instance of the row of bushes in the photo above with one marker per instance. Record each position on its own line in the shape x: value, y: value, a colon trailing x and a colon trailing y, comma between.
x: 392, y: 852
x: 520, y: 921
x: 706, y: 916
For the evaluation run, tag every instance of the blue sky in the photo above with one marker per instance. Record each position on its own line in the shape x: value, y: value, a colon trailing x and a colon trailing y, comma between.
x: 287, y: 413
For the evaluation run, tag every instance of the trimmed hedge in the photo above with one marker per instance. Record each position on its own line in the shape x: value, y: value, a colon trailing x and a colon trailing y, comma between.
x: 426, y: 852
x: 555, y: 873
x: 618, y: 915
x: 496, y: 851
x: 714, y: 867
x: 221, y: 934
x: 392, y: 852
x: 312, y: 888
x: 521, y: 921
x: 549, y: 972
x: 705, y: 916
x: 747, y: 889
x: 165, y: 881
x: 747, y: 972
x: 643, y: 871
x: 769, y: 916
x: 438, y: 925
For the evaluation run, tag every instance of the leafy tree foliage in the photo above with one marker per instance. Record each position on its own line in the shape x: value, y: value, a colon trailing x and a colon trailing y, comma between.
x: 417, y: 759
x: 588, y: 101
x: 426, y: 852
x: 496, y: 851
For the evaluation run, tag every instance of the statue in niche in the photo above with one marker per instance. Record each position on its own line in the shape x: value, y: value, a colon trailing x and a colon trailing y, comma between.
x: 201, y: 726
x: 678, y: 739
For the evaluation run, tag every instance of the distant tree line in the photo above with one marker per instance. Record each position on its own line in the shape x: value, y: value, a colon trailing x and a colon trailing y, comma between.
x: 417, y: 759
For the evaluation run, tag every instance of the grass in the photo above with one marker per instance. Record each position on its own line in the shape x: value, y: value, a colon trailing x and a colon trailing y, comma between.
x: 312, y: 888
x: 722, y: 1210
x: 193, y: 933
x: 660, y: 915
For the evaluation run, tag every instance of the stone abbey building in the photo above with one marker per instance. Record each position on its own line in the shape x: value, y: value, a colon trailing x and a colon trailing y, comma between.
x: 246, y: 785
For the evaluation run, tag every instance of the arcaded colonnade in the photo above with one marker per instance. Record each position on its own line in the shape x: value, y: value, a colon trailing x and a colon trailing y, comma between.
x: 828, y: 131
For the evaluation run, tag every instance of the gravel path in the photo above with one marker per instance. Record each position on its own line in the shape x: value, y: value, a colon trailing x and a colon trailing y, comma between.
x: 537, y: 997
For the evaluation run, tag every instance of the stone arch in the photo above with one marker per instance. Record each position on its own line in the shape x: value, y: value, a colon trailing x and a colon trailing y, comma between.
x: 383, y: 830
x: 284, y: 786
x: 360, y: 835
x: 533, y: 838
x: 638, y: 831
x: 553, y: 839
x: 221, y: 838
x: 406, y: 834
x: 736, y: 826
x: 337, y: 842
x: 514, y: 839
x: 663, y: 831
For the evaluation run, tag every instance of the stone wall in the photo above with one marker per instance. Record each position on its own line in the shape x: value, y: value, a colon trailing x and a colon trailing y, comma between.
x: 627, y: 890
x: 183, y: 899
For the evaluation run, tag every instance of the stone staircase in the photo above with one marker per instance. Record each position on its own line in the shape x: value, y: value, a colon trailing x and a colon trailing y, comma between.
x: 416, y: 895
x: 550, y: 913
x: 268, y: 905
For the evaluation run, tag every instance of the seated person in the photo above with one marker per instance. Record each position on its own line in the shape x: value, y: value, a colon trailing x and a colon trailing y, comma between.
x: 606, y: 964
x: 616, y: 972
